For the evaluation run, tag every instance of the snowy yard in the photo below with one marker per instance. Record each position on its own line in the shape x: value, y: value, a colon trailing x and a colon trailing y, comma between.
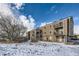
x: 39, y: 48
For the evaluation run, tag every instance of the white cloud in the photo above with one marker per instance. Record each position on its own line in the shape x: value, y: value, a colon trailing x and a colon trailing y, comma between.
x: 76, y: 19
x: 44, y: 23
x: 18, y: 5
x: 76, y: 29
x: 52, y: 8
x: 76, y: 26
x: 28, y: 22
x: 56, y: 11
x: 6, y: 10
x: 32, y: 22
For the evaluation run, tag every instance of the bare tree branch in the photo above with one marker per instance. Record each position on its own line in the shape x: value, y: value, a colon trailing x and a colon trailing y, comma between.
x: 10, y: 28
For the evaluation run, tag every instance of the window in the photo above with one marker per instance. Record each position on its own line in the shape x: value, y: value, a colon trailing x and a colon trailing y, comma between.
x: 60, y: 23
x: 32, y: 34
x: 50, y: 32
x: 37, y: 32
x: 44, y: 27
x: 62, y: 32
x: 47, y: 38
x: 45, y: 32
x: 40, y: 35
x: 40, y: 31
x: 33, y: 31
x: 50, y: 26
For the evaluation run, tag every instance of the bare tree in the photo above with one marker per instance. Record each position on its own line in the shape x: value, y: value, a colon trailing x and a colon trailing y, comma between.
x: 11, y: 28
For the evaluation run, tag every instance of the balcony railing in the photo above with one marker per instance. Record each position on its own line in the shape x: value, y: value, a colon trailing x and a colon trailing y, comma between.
x: 59, y: 25
x: 58, y: 33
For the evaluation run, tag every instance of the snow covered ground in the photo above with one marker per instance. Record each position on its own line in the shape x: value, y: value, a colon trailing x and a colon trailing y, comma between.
x: 39, y: 48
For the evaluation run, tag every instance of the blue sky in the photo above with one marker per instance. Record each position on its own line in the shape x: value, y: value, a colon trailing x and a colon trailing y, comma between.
x: 33, y: 15
x: 50, y: 11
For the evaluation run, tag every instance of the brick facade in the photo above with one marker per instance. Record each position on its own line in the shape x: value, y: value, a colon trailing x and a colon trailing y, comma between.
x: 58, y: 31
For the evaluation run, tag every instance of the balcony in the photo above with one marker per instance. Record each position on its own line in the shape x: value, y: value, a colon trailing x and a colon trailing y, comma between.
x: 59, y: 25
x: 58, y: 33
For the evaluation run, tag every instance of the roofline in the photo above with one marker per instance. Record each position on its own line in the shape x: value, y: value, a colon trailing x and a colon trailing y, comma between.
x: 52, y: 22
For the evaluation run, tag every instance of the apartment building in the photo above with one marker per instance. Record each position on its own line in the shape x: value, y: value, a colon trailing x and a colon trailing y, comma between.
x: 57, y: 31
